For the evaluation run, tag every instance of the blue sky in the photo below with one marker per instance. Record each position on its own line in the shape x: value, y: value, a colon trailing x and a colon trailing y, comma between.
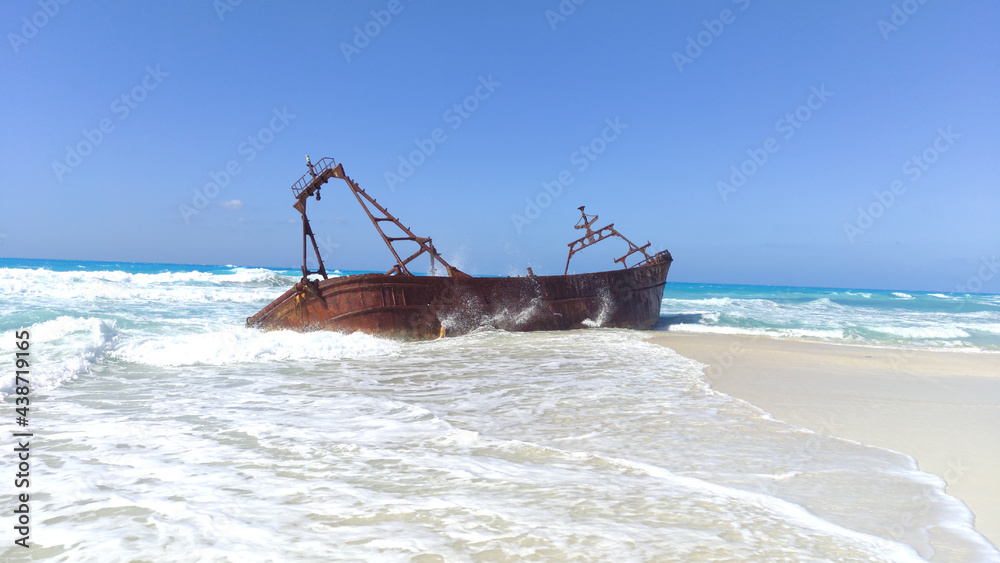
x: 845, y: 144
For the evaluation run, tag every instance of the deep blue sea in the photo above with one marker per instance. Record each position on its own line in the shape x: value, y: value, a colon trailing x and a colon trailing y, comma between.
x: 167, y: 431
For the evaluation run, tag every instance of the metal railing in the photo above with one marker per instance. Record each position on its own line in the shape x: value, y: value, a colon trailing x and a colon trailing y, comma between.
x: 317, y: 169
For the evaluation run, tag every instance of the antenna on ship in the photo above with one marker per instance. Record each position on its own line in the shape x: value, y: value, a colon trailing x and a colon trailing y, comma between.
x: 593, y: 237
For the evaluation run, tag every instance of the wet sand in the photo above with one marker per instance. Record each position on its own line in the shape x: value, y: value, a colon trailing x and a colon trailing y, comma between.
x: 941, y: 408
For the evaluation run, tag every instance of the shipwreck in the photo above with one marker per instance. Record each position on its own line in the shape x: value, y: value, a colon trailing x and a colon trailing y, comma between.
x: 402, y: 305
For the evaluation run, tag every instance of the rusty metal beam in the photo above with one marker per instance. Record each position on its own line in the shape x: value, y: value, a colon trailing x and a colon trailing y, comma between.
x: 595, y: 236
x: 309, y: 185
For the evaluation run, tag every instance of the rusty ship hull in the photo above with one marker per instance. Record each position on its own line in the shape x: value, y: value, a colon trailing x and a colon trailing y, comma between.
x: 401, y: 305
x: 426, y: 307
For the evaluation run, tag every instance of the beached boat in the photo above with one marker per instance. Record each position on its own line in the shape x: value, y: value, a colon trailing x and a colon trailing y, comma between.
x: 402, y: 305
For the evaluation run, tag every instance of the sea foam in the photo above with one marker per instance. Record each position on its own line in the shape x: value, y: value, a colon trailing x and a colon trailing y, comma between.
x: 174, y: 432
x: 61, y: 349
x: 234, y: 345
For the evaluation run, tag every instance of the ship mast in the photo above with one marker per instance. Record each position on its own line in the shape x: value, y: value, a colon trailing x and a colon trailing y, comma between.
x: 593, y: 237
x: 310, y: 184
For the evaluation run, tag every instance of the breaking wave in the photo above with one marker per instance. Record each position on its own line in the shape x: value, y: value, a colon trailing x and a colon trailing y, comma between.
x: 117, y: 285
x: 235, y: 345
x: 61, y: 350
x: 926, y: 320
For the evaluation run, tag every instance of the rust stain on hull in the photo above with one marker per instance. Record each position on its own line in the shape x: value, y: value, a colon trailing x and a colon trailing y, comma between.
x: 401, y: 305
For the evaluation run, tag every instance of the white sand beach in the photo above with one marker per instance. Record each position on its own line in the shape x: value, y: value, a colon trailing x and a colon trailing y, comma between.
x: 942, y: 408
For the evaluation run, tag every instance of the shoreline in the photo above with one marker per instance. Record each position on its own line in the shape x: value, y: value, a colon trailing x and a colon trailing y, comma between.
x: 941, y: 408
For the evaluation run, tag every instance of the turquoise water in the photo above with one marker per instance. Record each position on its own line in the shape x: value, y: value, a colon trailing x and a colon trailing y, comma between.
x: 934, y: 320
x: 963, y: 321
x: 167, y: 431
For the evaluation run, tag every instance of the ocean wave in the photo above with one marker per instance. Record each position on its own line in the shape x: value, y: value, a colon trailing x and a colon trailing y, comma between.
x: 72, y: 346
x: 727, y: 304
x: 243, y: 285
x: 920, y: 332
x: 795, y: 333
x: 936, y: 337
x: 823, y: 303
x: 878, y: 318
x: 235, y: 345
x: 238, y: 275
x: 989, y: 328
x: 259, y: 276
x: 706, y: 301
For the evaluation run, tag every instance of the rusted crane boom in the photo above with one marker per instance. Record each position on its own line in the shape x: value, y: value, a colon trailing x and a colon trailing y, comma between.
x: 309, y: 185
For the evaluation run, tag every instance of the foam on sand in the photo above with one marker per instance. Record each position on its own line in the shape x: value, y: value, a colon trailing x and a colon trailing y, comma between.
x: 939, y: 407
